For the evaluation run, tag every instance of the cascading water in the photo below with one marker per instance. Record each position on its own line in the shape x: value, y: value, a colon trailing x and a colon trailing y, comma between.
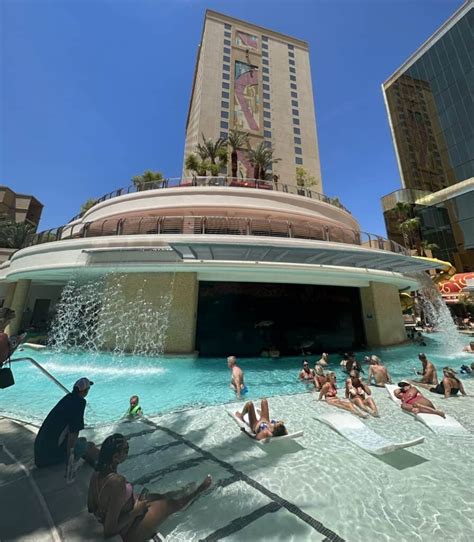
x: 437, y: 313
x: 96, y: 315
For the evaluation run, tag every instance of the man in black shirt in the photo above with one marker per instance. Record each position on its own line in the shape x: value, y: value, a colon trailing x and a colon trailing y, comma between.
x: 60, y: 430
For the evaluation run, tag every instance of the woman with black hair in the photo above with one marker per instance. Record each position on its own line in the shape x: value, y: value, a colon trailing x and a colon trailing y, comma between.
x: 112, y: 501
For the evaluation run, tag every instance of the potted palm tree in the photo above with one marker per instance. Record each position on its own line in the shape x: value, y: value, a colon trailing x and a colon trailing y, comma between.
x: 236, y: 140
x: 261, y: 159
x: 148, y: 180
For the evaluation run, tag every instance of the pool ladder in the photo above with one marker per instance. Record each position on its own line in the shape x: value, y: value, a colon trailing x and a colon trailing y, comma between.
x: 44, y: 371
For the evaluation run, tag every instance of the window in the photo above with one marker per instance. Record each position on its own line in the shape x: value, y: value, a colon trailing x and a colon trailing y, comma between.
x: 227, y: 50
x: 298, y: 150
x: 267, y: 124
x: 295, y: 112
x: 293, y: 85
x: 227, y: 34
x: 265, y: 54
x: 225, y: 85
x: 266, y: 78
x: 227, y: 26
x: 292, y: 78
x: 225, y: 95
x: 291, y: 62
x: 291, y: 47
x: 266, y: 96
x: 296, y: 121
x: 264, y: 38
x: 297, y: 140
x: 299, y: 161
x: 291, y: 54
x: 224, y: 125
x: 226, y: 76
x: 296, y: 131
x: 224, y: 114
x: 294, y: 95
x: 225, y: 105
x: 223, y: 135
x: 266, y: 105
x: 226, y: 58
x: 265, y: 70
x: 267, y: 134
x: 265, y: 61
x: 294, y: 103
x: 227, y: 42
x: 266, y: 87
x: 265, y: 46
x: 292, y: 70
x: 267, y: 114
x: 226, y: 67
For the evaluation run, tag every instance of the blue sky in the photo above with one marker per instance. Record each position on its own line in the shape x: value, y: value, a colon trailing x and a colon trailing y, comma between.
x: 96, y: 91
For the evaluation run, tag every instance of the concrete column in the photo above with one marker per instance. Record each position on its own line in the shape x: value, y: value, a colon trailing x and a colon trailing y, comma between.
x: 18, y: 304
x: 180, y: 308
x: 9, y: 294
x: 382, y: 315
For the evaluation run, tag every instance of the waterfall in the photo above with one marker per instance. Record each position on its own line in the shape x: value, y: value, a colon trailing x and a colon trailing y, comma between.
x: 106, y: 314
x: 437, y: 313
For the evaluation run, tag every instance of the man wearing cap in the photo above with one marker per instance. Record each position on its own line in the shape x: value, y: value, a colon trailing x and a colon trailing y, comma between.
x: 58, y: 436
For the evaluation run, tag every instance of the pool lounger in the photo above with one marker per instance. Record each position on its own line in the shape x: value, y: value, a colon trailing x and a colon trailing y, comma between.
x: 359, y: 434
x: 246, y: 427
x: 33, y: 346
x: 437, y: 424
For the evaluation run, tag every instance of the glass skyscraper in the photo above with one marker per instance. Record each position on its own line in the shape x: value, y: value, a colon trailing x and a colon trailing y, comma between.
x: 430, y: 105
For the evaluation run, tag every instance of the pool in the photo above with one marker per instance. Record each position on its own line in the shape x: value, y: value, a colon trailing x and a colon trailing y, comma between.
x: 320, y: 487
x: 165, y: 384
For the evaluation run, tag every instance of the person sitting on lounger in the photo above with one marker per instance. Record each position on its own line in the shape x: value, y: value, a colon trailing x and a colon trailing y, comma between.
x: 329, y: 393
x: 319, y: 377
x: 358, y: 393
x: 450, y: 385
x: 378, y: 373
x: 112, y: 501
x: 413, y: 401
x: 263, y: 427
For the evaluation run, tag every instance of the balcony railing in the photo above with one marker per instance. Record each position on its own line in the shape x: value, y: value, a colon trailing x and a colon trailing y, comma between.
x: 223, y: 181
x: 216, y: 225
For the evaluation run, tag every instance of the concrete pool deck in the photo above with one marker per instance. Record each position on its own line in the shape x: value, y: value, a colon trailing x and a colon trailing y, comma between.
x: 319, y: 487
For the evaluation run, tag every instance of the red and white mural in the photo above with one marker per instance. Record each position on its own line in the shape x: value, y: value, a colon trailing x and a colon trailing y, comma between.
x: 242, y: 39
x: 246, y: 97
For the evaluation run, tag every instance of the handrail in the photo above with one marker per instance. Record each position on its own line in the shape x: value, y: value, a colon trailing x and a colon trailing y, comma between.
x: 218, y: 181
x: 217, y: 225
x: 44, y: 371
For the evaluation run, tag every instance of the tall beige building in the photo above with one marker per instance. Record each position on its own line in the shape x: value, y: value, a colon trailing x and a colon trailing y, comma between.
x: 258, y: 81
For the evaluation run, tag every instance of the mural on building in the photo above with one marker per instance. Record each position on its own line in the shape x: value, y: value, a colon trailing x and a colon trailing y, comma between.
x: 244, y: 167
x: 246, y: 98
x: 242, y: 39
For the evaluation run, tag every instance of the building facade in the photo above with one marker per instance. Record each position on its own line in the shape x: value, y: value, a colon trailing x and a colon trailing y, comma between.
x: 430, y: 108
x: 258, y: 81
x: 20, y: 207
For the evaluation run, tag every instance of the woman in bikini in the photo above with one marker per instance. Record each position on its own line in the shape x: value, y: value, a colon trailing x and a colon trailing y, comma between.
x: 413, y: 401
x: 450, y: 385
x: 112, y: 501
x: 263, y: 427
x: 329, y: 392
x: 319, y: 377
x: 358, y: 393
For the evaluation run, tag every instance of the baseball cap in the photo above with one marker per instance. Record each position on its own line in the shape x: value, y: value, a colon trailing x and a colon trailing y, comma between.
x: 83, y: 383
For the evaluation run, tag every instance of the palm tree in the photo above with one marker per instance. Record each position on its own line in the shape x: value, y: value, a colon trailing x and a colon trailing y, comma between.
x: 261, y: 159
x: 410, y: 229
x: 213, y: 150
x: 427, y: 246
x: 87, y: 205
x: 197, y: 165
x: 14, y: 234
x: 236, y: 140
x: 148, y: 179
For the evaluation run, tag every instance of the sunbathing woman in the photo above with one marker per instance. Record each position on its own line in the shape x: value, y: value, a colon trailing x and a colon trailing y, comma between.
x: 358, y: 393
x: 413, y: 401
x: 113, y: 502
x: 450, y: 385
x: 329, y: 392
x: 263, y: 427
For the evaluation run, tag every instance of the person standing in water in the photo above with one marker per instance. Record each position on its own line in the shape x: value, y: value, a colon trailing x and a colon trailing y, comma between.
x: 134, y: 410
x: 237, y: 376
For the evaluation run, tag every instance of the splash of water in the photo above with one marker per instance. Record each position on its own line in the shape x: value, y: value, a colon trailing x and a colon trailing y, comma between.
x: 437, y: 313
x: 95, y: 315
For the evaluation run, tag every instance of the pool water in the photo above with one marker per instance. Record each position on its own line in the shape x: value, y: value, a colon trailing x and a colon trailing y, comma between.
x: 165, y: 384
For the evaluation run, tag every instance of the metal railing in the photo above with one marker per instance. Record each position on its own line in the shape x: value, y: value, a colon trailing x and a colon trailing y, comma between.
x: 217, y: 225
x: 222, y: 181
x: 44, y: 371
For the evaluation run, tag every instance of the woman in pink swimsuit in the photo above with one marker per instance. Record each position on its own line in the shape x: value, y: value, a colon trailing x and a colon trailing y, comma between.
x: 112, y: 501
x: 329, y: 392
x: 413, y: 401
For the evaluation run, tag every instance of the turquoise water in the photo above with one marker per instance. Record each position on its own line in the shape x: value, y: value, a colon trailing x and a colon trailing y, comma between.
x: 169, y: 384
